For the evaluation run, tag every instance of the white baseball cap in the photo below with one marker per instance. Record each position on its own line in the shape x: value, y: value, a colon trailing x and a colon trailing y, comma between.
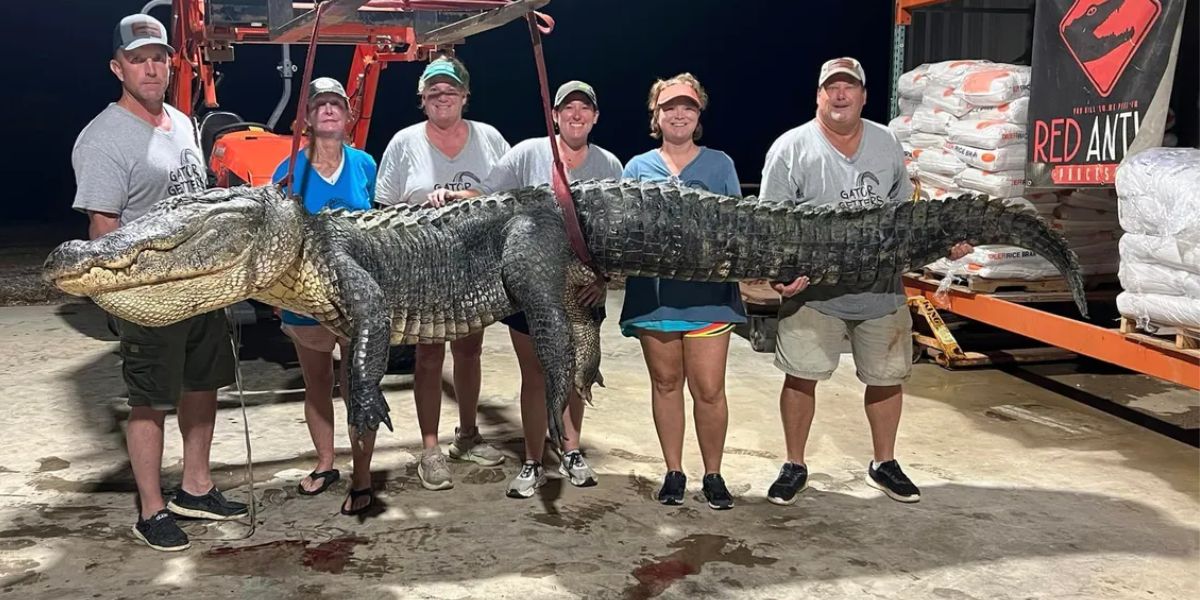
x: 139, y: 30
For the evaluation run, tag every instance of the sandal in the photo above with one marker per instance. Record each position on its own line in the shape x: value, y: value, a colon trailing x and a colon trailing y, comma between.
x: 327, y: 477
x: 355, y: 495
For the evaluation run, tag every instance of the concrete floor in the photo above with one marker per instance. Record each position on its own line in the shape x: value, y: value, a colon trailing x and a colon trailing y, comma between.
x: 1026, y: 494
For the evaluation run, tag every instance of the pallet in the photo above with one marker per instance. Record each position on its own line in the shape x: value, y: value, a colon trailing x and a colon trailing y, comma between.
x: 1097, y: 287
x: 1181, y: 339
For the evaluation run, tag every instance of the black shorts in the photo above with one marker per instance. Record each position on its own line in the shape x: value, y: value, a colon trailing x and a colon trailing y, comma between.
x: 520, y: 324
x: 160, y: 363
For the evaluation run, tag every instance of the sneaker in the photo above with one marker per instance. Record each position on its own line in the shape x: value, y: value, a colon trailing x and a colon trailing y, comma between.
x: 792, y: 480
x: 716, y: 493
x: 475, y: 450
x: 673, y: 487
x: 889, y: 479
x: 576, y: 470
x: 433, y: 471
x: 531, y: 477
x: 161, y: 532
x: 212, y: 505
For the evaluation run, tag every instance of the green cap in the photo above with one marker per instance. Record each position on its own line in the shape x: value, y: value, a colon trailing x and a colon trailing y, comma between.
x: 571, y: 87
x: 441, y: 68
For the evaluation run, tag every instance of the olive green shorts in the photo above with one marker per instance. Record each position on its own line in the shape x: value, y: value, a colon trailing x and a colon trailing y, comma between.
x: 160, y: 363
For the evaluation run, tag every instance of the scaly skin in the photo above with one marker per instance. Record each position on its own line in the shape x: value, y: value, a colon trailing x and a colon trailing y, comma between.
x: 404, y: 275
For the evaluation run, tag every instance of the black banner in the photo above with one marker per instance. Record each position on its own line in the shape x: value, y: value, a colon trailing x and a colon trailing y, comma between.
x: 1102, y: 75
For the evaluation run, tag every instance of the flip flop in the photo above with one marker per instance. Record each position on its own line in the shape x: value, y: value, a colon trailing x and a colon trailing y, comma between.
x: 356, y: 494
x: 327, y: 477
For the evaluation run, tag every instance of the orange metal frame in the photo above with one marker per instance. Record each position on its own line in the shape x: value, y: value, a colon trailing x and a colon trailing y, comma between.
x: 1109, y: 345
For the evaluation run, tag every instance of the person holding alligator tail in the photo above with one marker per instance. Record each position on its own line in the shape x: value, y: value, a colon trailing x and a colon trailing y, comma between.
x: 841, y: 159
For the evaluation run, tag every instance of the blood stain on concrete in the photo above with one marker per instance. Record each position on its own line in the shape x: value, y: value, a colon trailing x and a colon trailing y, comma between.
x: 277, y: 557
x: 655, y: 576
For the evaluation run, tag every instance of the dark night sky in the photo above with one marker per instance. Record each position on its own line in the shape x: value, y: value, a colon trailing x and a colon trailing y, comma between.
x: 758, y: 59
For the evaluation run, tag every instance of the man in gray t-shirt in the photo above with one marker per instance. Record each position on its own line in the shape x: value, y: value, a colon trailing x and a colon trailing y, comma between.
x: 136, y: 152
x: 843, y: 160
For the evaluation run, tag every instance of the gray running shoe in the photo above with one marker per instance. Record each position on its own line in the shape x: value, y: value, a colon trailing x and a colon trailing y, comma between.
x: 433, y: 471
x: 531, y: 477
x: 576, y: 469
x: 475, y: 450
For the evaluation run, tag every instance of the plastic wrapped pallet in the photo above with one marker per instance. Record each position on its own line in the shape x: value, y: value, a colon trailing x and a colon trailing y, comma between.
x: 1008, y: 158
x: 997, y: 184
x: 1177, y: 254
x: 1159, y: 309
x: 940, y: 161
x: 991, y: 85
x: 989, y: 135
x: 1142, y: 278
x: 1016, y: 111
x: 1159, y: 192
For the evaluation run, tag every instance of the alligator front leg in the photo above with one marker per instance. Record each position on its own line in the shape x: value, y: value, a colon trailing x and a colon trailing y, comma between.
x: 368, y: 325
x: 534, y: 261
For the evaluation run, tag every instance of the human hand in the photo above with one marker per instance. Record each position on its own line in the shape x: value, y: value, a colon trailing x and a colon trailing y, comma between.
x: 591, y: 295
x: 960, y: 250
x: 791, y: 289
x: 441, y: 197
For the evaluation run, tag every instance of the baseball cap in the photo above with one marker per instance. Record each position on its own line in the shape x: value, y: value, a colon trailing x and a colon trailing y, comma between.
x: 326, y: 85
x: 677, y: 90
x: 845, y: 65
x: 571, y: 87
x: 441, y: 68
x: 139, y: 30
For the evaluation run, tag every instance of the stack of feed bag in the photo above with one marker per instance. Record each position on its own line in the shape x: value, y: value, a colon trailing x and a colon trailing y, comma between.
x: 1158, y: 194
x: 1088, y: 219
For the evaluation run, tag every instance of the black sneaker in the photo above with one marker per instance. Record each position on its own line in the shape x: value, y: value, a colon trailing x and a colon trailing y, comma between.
x: 161, y: 532
x: 209, y: 506
x: 889, y: 479
x: 792, y: 480
x: 716, y: 493
x: 673, y: 487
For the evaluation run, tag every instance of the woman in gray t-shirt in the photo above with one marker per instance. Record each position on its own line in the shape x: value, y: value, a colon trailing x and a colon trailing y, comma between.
x: 424, y: 163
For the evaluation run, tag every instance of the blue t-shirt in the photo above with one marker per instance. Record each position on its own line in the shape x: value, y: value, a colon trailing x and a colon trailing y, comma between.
x: 671, y: 305
x: 353, y: 188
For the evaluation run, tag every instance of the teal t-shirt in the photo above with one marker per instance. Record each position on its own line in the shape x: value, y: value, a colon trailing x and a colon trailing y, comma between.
x: 351, y: 187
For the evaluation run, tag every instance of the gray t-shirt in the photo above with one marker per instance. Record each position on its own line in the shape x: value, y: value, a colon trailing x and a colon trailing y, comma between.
x: 529, y: 162
x: 803, y: 168
x: 124, y: 165
x: 412, y: 166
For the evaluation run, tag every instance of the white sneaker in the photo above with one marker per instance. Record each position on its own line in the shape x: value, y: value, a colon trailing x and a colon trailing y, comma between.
x: 576, y: 469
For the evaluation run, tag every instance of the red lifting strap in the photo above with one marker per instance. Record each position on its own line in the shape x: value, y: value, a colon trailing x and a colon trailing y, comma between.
x: 559, y: 180
x: 302, y: 109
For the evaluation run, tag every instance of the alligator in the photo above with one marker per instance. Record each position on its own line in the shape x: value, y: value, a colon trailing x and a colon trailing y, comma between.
x: 419, y: 274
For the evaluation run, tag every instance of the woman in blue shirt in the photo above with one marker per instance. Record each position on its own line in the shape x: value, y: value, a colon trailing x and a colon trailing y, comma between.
x: 329, y: 174
x: 684, y: 326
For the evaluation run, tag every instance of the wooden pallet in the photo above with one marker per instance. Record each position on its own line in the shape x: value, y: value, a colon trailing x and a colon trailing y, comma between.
x: 1054, y: 285
x: 1183, y: 339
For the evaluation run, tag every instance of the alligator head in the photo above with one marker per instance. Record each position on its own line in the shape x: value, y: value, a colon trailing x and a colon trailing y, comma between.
x: 1081, y: 32
x: 232, y: 242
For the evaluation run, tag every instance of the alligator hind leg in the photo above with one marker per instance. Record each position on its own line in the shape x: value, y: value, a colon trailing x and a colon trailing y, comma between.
x: 367, y: 322
x: 534, y: 262
x: 585, y: 331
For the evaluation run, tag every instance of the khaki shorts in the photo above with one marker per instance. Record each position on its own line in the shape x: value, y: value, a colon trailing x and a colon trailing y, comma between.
x: 313, y: 337
x: 159, y: 363
x: 810, y: 343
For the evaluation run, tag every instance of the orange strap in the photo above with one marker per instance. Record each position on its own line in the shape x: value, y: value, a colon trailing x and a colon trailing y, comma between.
x: 302, y: 109
x: 559, y: 175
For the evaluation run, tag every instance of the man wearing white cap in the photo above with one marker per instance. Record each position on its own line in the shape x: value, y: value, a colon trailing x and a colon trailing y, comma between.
x: 841, y: 159
x: 136, y: 152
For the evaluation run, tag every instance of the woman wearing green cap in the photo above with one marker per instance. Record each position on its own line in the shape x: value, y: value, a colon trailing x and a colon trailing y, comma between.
x: 429, y: 162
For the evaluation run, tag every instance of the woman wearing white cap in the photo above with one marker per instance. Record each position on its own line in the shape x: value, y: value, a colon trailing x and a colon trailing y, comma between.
x: 684, y: 326
x: 329, y: 174
x: 427, y: 162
